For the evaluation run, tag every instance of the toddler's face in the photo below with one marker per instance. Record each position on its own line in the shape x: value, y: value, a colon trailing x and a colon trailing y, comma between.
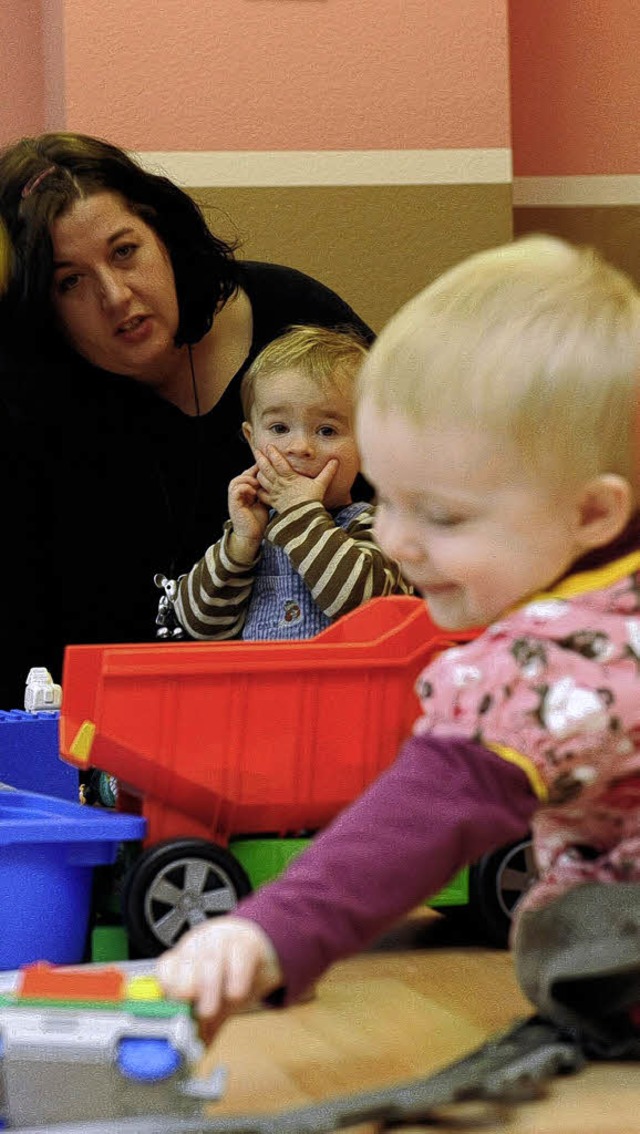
x: 308, y: 426
x: 471, y: 528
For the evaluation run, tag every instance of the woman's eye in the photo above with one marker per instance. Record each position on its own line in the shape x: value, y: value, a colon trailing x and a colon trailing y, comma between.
x: 67, y: 283
x: 124, y: 251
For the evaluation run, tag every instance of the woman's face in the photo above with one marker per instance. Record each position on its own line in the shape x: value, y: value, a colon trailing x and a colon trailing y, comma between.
x: 113, y: 289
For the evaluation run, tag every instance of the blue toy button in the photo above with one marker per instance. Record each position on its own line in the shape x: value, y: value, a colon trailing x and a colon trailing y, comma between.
x: 147, y: 1060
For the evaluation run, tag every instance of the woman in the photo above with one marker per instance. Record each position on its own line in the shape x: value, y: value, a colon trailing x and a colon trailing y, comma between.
x: 130, y: 326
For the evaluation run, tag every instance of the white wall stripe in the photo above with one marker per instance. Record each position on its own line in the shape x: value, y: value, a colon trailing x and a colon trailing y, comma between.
x: 570, y: 192
x: 331, y: 167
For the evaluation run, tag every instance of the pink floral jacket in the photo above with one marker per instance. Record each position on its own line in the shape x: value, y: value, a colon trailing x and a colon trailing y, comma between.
x: 555, y: 688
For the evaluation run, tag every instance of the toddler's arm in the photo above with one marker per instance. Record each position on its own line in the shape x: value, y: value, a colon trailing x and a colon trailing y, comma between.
x: 442, y: 804
x: 342, y: 567
x: 213, y: 598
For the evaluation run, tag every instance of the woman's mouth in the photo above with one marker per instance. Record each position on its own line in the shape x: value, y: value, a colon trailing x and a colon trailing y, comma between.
x: 134, y: 329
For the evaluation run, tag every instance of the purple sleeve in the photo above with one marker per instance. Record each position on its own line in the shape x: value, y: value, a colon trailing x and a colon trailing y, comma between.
x: 440, y: 806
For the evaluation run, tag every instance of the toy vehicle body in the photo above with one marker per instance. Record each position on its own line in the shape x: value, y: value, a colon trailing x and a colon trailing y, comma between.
x: 114, y: 1045
x: 228, y: 742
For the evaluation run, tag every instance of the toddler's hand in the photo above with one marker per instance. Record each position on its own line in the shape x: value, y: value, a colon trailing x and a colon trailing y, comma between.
x: 247, y: 514
x: 281, y: 486
x: 223, y: 965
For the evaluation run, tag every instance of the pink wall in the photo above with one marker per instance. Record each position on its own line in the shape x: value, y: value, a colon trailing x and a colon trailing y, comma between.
x: 21, y: 71
x: 332, y: 74
x: 54, y: 63
x: 575, y: 86
x: 288, y: 74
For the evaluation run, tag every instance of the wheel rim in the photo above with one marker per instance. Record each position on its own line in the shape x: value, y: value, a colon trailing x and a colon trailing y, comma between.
x: 185, y: 893
x: 516, y: 875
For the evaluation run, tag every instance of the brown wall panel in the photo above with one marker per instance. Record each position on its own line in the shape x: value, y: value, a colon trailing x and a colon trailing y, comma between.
x: 613, y: 229
x: 375, y: 245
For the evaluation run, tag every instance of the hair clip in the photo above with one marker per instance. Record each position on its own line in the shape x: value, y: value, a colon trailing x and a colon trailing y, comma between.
x: 33, y: 182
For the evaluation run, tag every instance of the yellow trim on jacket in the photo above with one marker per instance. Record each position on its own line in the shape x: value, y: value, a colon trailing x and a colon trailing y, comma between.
x: 595, y: 580
x: 527, y: 766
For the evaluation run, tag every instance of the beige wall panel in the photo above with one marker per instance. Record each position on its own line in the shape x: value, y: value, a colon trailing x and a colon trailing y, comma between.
x: 613, y: 229
x: 375, y: 245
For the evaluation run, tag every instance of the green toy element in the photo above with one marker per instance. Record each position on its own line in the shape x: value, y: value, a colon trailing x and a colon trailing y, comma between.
x: 264, y: 859
x: 455, y: 893
x: 109, y: 943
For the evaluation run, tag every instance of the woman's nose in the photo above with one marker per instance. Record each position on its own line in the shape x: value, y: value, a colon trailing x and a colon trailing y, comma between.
x: 113, y: 289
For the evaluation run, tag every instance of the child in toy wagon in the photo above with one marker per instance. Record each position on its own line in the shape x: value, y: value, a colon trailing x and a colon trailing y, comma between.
x: 497, y: 420
x: 297, y: 551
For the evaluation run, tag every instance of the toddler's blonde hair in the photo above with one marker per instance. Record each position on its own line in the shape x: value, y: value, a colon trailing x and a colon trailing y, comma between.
x: 329, y: 358
x: 537, y: 342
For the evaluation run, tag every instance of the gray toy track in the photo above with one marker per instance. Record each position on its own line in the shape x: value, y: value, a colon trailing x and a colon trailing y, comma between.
x: 511, y: 1068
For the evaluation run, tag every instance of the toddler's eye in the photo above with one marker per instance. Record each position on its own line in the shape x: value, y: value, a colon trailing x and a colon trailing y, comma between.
x: 444, y: 519
x: 327, y: 431
x: 278, y: 428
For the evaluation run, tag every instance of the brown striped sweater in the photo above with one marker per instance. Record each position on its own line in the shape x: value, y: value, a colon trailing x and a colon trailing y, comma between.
x: 312, y: 568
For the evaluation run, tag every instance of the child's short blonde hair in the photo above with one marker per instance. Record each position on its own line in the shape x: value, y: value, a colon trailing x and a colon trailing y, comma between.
x: 329, y: 358
x: 536, y: 341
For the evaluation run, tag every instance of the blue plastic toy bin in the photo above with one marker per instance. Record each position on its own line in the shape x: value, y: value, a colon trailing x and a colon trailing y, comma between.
x: 48, y: 849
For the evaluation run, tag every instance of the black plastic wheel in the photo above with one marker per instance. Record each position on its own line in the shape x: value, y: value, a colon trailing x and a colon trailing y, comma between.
x: 176, y: 884
x: 497, y: 882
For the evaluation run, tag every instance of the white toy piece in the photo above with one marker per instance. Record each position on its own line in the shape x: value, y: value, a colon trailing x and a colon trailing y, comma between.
x: 41, y: 692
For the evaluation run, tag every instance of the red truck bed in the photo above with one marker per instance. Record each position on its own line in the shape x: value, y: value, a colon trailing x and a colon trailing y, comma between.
x: 235, y: 738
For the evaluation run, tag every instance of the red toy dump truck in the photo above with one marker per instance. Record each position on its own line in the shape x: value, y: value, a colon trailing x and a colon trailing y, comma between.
x: 237, y: 752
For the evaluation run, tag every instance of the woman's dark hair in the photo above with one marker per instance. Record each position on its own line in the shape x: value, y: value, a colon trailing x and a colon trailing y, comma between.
x: 41, y: 178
